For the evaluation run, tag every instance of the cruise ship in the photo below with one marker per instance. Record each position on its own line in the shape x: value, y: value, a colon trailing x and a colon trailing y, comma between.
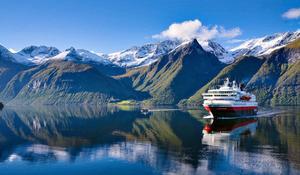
x: 230, y: 100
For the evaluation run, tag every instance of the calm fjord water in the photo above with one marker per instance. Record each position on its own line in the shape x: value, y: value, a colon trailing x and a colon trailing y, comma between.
x: 110, y: 140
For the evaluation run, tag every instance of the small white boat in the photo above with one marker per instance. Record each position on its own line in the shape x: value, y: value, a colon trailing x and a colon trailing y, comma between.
x: 145, y: 111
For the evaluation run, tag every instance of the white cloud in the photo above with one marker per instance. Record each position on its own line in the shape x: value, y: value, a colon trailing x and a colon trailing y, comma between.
x: 231, y: 33
x: 195, y: 29
x: 293, y: 13
x: 206, y: 33
x: 234, y: 41
x: 184, y: 30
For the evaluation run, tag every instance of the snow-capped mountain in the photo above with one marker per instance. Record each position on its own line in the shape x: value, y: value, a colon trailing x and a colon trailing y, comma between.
x: 149, y: 53
x: 38, y: 54
x: 82, y: 55
x: 264, y: 45
x: 35, y: 55
x: 142, y: 55
x: 9, y: 56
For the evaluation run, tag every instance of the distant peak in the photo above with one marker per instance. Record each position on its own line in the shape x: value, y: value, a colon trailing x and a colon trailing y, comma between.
x: 39, y: 49
x: 195, y: 44
x: 72, y: 49
x: 32, y: 47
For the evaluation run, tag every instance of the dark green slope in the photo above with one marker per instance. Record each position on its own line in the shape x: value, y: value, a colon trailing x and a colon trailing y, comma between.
x: 287, y: 91
x: 18, y: 81
x: 8, y: 70
x: 58, y: 82
x: 264, y: 81
x: 241, y: 70
x: 287, y: 88
x: 278, y: 71
x: 176, y: 75
x: 8, y: 67
x: 109, y: 69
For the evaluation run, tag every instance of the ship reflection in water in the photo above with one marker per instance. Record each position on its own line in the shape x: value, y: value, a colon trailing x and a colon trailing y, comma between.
x: 226, y: 133
x: 219, y: 130
x: 102, y: 140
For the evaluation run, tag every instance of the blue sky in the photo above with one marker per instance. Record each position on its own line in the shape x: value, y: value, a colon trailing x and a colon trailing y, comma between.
x: 113, y: 25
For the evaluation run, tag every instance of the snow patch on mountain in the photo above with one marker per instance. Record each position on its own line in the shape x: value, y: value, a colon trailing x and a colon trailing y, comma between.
x: 12, y: 50
x: 216, y: 49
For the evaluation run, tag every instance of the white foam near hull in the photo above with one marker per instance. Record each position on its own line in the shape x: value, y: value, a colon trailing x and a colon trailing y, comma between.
x: 259, y: 114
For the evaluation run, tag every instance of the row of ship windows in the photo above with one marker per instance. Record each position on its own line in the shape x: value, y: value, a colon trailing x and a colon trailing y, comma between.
x: 219, y: 95
x: 223, y: 92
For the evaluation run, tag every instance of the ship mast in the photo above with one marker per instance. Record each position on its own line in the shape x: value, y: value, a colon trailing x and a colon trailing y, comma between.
x: 226, y: 83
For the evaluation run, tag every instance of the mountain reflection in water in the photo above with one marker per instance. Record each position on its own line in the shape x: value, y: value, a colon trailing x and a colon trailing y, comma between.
x: 111, y: 140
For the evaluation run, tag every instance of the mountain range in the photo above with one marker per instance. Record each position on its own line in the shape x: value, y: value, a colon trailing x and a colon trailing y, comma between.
x: 167, y: 72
